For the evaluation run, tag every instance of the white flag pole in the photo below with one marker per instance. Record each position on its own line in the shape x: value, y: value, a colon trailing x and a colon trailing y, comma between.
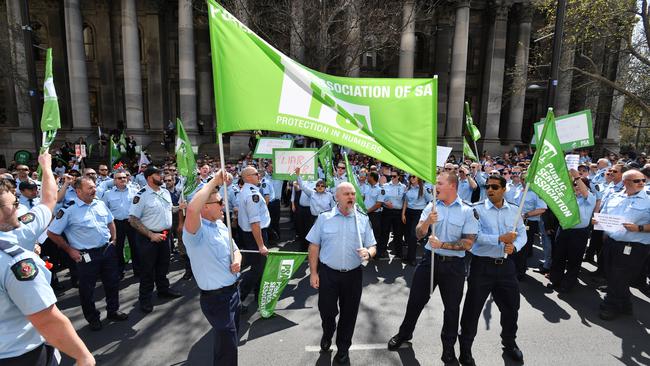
x: 356, y: 224
x: 225, y: 198
x: 433, y: 232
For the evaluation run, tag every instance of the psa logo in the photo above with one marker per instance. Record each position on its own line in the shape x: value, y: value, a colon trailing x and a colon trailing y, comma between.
x: 548, y: 151
x: 305, y: 95
x: 285, y: 270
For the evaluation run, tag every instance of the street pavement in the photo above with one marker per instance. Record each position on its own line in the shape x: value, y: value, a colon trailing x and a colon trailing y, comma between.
x: 553, y: 329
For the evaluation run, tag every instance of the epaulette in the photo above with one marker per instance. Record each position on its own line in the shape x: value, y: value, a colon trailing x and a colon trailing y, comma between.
x: 11, y: 249
x: 512, y: 204
x: 68, y: 204
x: 252, y: 188
x: 142, y: 191
x: 361, y: 211
x: 476, y: 216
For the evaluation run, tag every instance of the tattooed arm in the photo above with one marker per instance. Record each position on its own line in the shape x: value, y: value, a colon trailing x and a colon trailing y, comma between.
x: 465, y: 243
x: 137, y: 225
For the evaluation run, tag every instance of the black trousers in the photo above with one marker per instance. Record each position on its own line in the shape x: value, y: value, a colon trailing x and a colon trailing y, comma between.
x: 595, y: 245
x: 154, y: 266
x: 303, y: 223
x: 250, y: 281
x: 620, y: 270
x: 339, y: 291
x: 568, y: 252
x: 391, y: 221
x: 105, y: 265
x: 124, y: 230
x: 449, y: 275
x: 375, y: 223
x: 521, y: 257
x: 499, y: 278
x: 274, y: 212
x: 42, y: 355
x: 222, y: 311
x: 412, y: 219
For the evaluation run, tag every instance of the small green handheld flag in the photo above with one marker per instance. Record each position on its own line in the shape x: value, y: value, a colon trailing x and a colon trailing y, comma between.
x: 279, y: 268
x: 469, y: 122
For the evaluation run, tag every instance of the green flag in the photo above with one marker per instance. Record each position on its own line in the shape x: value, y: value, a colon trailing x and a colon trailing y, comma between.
x: 122, y: 142
x: 280, y: 267
x: 50, y: 119
x: 185, y: 161
x: 325, y: 160
x: 469, y: 122
x: 467, y: 150
x: 352, y: 179
x: 259, y: 88
x: 114, y: 153
x: 549, y: 178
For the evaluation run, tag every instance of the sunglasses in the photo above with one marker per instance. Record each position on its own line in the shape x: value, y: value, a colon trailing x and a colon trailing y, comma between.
x: 494, y: 187
x: 120, y: 178
x: 219, y: 202
x: 15, y: 204
x: 637, y: 181
x: 394, y: 175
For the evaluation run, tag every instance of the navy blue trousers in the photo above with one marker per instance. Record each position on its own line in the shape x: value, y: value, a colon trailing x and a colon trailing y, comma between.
x: 154, y: 266
x: 251, y: 279
x: 222, y: 311
x: 105, y: 265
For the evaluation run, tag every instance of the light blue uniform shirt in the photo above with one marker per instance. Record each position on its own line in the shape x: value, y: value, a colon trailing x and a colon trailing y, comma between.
x: 119, y: 201
x: 70, y: 195
x: 513, y: 192
x: 481, y: 180
x: 532, y: 202
x: 84, y: 225
x: 464, y: 190
x: 251, y: 209
x: 494, y: 222
x: 339, y: 180
x: 31, y: 225
x: 371, y: 197
x: 233, y: 191
x: 586, y: 206
x: 600, y: 176
x: 318, y: 202
x: 414, y: 202
x: 338, y: 238
x: 18, y: 299
x: 597, y: 189
x: 453, y: 221
x: 610, y: 189
x: 25, y: 201
x: 393, y: 193
x: 635, y: 209
x: 209, y: 252
x: 140, y: 180
x: 304, y: 200
x: 154, y: 209
x: 266, y: 188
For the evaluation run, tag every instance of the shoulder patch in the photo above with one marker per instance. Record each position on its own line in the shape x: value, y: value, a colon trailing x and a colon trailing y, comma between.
x: 428, y: 190
x: 597, y: 186
x: 263, y: 185
x: 475, y: 213
x: 255, y: 198
x: 383, y: 191
x: 68, y: 204
x: 25, y: 270
x: 136, y: 199
x: 59, y: 214
x: 26, y: 218
x: 252, y: 188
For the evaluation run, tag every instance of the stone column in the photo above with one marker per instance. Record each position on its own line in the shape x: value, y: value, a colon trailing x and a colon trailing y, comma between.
x: 407, y: 44
x: 458, y: 71
x: 494, y: 72
x: 155, y: 52
x: 76, y: 64
x: 186, y: 72
x: 18, y: 64
x: 519, y: 82
x: 444, y: 37
x: 131, y: 62
x: 297, y: 47
x: 205, y: 78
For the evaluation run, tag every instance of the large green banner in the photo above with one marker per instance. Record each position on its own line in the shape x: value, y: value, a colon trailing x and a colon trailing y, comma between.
x: 280, y: 267
x: 259, y: 88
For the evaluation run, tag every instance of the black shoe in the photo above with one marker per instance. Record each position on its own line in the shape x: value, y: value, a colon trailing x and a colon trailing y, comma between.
x: 514, y: 353
x: 325, y: 344
x: 466, y: 358
x: 169, y: 294
x: 146, y: 308
x: 118, y: 316
x: 396, y: 341
x: 607, y: 314
x: 96, y: 325
x: 543, y: 270
x: 449, y: 357
x: 342, y: 357
x: 188, y: 275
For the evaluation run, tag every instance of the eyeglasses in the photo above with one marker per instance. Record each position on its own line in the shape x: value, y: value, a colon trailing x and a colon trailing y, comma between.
x: 219, y: 202
x: 613, y: 171
x: 168, y: 181
x: 637, y: 181
x: 494, y: 187
x: 515, y: 173
x: 411, y: 177
x: 91, y: 173
x: 15, y: 204
x: 394, y: 175
x: 449, y: 168
x: 320, y: 186
x: 120, y: 177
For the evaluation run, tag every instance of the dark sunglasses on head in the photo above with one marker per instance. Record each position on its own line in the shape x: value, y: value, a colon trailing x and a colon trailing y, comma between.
x: 494, y: 187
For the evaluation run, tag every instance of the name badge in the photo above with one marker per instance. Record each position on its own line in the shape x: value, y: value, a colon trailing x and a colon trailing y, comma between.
x: 627, y: 250
x: 86, y: 257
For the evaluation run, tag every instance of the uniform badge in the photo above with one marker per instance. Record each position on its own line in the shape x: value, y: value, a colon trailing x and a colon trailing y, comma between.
x: 429, y: 190
x: 256, y: 198
x: 136, y: 199
x: 263, y: 185
x: 26, y: 218
x: 59, y: 214
x: 475, y: 214
x: 383, y: 192
x: 25, y: 270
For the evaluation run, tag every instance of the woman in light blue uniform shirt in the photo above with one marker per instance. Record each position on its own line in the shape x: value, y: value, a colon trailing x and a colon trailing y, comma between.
x: 416, y: 198
x: 320, y: 199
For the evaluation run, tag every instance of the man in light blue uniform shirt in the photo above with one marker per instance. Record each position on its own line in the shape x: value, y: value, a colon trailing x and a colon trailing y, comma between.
x: 320, y: 200
x: 493, y: 270
x: 392, y: 197
x: 466, y: 185
x: 625, y: 251
x: 340, y: 240
x: 207, y: 241
x: 90, y: 243
x: 602, y: 166
x: 28, y: 194
x: 455, y: 231
x: 302, y: 210
x: 371, y: 201
x: 274, y: 186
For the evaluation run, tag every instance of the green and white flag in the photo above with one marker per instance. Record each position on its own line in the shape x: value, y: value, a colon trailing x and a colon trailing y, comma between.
x: 469, y: 122
x: 467, y: 150
x: 549, y: 178
x: 185, y: 161
x: 50, y: 119
x: 325, y: 160
x: 280, y: 267
x: 259, y: 88
x: 114, y: 153
x: 353, y: 180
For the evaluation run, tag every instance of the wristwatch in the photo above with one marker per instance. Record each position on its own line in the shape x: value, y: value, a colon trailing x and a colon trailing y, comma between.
x: 641, y: 228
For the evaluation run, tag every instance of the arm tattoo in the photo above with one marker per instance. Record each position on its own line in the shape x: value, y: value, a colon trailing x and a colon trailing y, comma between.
x: 465, y: 243
x: 137, y: 224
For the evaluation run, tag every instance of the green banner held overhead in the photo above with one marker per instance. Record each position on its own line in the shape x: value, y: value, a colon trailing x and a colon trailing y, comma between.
x: 549, y: 178
x: 114, y: 153
x: 353, y: 180
x: 185, y: 161
x: 467, y: 150
x: 50, y: 119
x: 258, y: 87
x: 280, y: 267
x: 325, y: 160
x: 469, y: 122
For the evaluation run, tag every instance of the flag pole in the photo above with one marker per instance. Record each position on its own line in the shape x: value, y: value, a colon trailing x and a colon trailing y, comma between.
x: 311, y: 158
x: 518, y: 217
x: 225, y: 197
x: 433, y: 232
x: 356, y: 225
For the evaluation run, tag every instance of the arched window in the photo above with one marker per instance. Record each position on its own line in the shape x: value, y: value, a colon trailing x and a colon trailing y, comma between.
x: 89, y: 42
x: 369, y: 60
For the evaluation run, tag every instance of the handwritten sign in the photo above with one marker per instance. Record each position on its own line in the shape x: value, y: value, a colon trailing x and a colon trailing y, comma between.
x: 265, y: 146
x: 609, y: 222
x: 574, y: 130
x: 572, y: 161
x: 285, y: 162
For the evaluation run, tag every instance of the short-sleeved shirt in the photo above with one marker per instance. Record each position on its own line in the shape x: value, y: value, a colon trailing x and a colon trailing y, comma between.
x: 85, y: 225
x: 140, y: 180
x: 635, y: 209
x: 454, y: 221
x: 371, y: 196
x: 416, y: 202
x: 586, y: 206
x: 252, y: 208
x: 266, y: 188
x: 153, y: 208
x: 119, y: 201
x: 338, y: 238
x: 318, y: 202
x: 465, y: 190
x: 394, y: 193
x: 29, y: 203
x: 513, y: 193
x: 209, y: 252
x: 494, y: 222
x: 24, y: 290
x: 32, y: 225
x: 532, y: 202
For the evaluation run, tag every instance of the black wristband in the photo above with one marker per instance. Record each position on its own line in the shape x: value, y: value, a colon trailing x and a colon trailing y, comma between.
x: 641, y: 228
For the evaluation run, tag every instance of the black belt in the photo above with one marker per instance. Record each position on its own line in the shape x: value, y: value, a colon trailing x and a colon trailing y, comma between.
x: 442, y: 258
x: 159, y: 232
x: 340, y: 270
x: 490, y: 260
x: 220, y: 290
x: 633, y: 243
x: 123, y: 220
x: 96, y: 248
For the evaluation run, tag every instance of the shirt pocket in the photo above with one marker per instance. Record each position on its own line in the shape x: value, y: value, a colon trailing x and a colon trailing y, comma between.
x: 330, y: 232
x: 455, y: 226
x: 637, y: 214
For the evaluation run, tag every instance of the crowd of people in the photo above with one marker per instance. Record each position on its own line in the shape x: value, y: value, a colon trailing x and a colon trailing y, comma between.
x: 478, y: 220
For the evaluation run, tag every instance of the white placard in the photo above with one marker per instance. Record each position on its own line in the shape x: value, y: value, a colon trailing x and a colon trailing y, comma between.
x: 572, y: 161
x: 286, y: 161
x: 442, y: 154
x: 609, y: 222
x: 265, y: 146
